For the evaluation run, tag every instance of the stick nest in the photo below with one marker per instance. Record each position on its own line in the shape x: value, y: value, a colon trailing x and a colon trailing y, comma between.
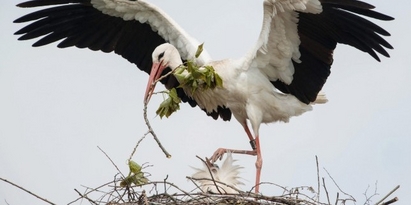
x: 144, y: 192
x: 164, y: 192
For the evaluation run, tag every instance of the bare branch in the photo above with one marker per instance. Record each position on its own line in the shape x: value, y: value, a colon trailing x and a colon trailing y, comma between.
x: 85, y: 197
x: 390, y: 201
x: 27, y: 191
x: 318, y: 181
x: 386, y: 196
x: 368, y: 198
x: 335, y: 183
x: 92, y: 190
x: 326, y: 191
x: 211, y: 174
x: 195, y: 184
x: 337, y: 198
x: 111, y: 161
x: 138, y: 143
x: 151, y: 131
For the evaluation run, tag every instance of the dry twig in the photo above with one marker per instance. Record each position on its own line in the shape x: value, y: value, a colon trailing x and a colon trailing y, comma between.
x: 326, y: 191
x: 138, y: 143
x: 211, y: 173
x: 114, y: 164
x: 390, y: 201
x: 85, y: 197
x: 389, y: 193
x: 335, y: 183
x: 318, y: 180
x: 151, y: 131
x: 27, y: 191
x: 368, y: 198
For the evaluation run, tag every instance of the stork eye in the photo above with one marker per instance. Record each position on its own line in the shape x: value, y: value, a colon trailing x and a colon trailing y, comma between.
x: 160, y: 56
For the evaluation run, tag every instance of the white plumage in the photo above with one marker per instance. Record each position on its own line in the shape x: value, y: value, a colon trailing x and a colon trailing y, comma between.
x: 280, y: 77
x: 158, y: 20
x: 227, y: 174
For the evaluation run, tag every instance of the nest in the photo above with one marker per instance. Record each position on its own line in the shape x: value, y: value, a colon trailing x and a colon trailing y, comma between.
x: 140, y: 191
x: 149, y: 194
x: 121, y: 191
x: 164, y: 192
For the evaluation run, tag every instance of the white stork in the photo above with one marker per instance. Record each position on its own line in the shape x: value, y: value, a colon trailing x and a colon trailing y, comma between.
x: 279, y: 78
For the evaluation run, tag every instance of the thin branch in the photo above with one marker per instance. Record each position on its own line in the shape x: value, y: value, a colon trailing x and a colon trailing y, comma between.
x: 171, y: 184
x: 92, y: 190
x: 215, y: 184
x: 111, y: 162
x: 335, y: 183
x: 386, y: 196
x: 211, y: 174
x: 138, y: 143
x: 279, y: 186
x: 27, y: 191
x: 326, y: 192
x: 165, y: 181
x: 368, y: 198
x: 337, y: 198
x: 195, y: 184
x: 395, y: 199
x: 85, y: 197
x: 318, y: 181
x: 166, y: 75
x: 151, y: 131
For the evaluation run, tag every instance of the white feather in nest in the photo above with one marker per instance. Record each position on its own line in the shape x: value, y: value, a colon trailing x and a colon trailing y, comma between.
x: 227, y: 174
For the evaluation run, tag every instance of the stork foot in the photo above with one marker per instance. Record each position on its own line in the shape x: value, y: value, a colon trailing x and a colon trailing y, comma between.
x: 219, y: 153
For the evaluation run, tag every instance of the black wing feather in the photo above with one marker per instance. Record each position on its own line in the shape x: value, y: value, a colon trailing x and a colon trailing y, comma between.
x: 319, y: 34
x: 78, y: 23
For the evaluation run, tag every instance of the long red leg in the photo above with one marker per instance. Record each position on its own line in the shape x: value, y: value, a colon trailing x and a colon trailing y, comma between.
x: 258, y: 165
x: 255, y: 144
x: 218, y: 154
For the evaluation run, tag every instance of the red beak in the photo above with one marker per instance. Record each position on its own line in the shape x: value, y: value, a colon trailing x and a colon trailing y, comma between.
x: 156, y: 71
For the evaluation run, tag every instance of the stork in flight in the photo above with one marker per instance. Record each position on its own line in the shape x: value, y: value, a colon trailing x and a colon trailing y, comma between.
x: 280, y: 77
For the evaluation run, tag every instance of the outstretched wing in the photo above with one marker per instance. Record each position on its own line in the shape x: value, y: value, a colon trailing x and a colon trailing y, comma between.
x: 296, y: 44
x: 132, y: 29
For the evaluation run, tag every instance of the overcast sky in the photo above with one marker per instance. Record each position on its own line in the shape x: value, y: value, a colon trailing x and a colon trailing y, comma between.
x: 58, y: 105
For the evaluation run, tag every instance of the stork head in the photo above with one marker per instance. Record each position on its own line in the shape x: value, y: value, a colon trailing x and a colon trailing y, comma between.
x: 164, y: 56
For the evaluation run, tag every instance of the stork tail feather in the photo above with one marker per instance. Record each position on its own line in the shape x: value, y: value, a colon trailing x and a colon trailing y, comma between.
x: 321, y: 98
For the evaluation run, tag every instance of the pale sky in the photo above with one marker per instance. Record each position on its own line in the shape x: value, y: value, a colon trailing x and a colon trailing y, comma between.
x: 58, y: 105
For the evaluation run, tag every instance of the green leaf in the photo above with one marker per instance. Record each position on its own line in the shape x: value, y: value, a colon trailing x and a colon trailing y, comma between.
x: 169, y: 105
x: 137, y: 179
x: 180, y: 77
x: 136, y: 176
x: 190, y: 76
x: 134, y: 167
x: 190, y: 66
x: 127, y: 181
x: 174, y: 96
x: 196, y: 74
x: 194, y: 86
x: 199, y: 50
x: 180, y: 69
x: 218, y: 81
x: 140, y: 179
